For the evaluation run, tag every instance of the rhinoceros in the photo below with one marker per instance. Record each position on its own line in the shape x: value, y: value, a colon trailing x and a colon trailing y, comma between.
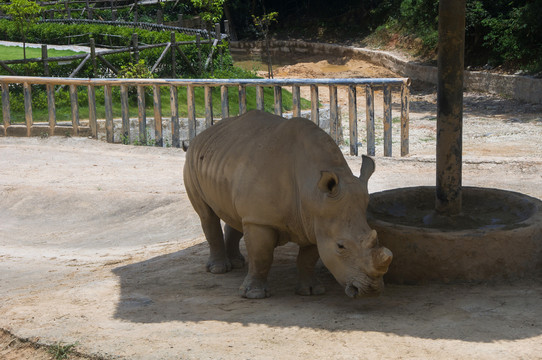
x: 273, y: 181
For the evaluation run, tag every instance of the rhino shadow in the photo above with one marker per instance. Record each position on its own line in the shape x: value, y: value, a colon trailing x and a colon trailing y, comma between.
x: 176, y: 287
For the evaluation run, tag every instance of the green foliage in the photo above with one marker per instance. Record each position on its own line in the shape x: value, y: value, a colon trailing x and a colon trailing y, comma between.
x: 515, y: 36
x: 265, y: 20
x: 52, y: 33
x: 210, y: 10
x: 421, y: 16
x: 60, y: 352
x: 138, y: 70
x: 497, y: 32
x: 24, y: 14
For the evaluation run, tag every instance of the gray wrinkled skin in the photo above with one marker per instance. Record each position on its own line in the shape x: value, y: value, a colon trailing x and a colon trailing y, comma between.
x: 272, y: 181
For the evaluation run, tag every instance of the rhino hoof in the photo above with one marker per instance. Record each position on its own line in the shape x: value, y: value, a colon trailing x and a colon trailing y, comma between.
x: 254, y: 289
x: 257, y: 293
x: 219, y: 267
x: 317, y: 289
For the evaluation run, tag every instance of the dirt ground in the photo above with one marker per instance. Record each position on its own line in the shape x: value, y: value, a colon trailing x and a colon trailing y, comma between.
x: 99, y: 247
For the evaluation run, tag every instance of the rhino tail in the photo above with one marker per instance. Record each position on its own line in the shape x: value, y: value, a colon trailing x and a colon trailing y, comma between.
x: 184, y: 145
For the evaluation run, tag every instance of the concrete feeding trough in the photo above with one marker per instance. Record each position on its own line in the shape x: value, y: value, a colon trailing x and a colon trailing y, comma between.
x: 498, y: 235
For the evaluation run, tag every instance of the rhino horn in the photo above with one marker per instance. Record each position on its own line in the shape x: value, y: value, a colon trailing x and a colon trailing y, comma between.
x: 381, y: 259
x: 367, y: 169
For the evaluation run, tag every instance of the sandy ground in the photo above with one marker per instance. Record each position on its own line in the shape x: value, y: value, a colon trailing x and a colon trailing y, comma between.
x: 100, y: 247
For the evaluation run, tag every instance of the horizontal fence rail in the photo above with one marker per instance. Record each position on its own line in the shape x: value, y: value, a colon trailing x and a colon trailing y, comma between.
x: 367, y: 87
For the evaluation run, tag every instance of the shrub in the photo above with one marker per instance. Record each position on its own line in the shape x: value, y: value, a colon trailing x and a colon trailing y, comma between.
x: 52, y: 33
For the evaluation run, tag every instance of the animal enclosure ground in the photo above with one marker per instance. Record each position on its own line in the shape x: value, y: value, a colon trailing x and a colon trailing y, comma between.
x: 99, y: 246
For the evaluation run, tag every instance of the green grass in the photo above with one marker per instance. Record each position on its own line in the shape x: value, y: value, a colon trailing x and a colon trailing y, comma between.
x: 63, y: 108
x: 61, y: 352
x: 16, y: 52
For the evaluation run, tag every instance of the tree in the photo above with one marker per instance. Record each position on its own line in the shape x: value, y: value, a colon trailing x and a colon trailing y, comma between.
x: 211, y: 11
x: 24, y: 13
x: 263, y: 22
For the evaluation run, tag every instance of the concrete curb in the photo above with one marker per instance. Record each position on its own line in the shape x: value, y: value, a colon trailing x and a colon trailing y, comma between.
x: 513, y: 86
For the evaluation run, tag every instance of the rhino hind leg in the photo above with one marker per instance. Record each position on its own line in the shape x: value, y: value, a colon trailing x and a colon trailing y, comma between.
x: 232, y: 238
x: 218, y: 262
x: 306, y: 260
x: 260, y: 242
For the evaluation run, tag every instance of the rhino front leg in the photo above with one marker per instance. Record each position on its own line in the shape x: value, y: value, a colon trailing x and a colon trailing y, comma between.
x: 260, y: 242
x: 306, y: 260
x: 232, y: 238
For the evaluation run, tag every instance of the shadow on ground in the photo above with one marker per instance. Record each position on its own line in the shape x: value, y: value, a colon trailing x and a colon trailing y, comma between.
x: 176, y: 287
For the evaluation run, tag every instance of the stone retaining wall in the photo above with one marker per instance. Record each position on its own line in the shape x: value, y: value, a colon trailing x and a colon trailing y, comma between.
x: 517, y: 87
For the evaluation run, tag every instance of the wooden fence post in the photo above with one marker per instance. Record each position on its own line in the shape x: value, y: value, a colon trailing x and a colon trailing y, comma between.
x: 315, y: 110
x: 191, y: 104
x: 93, y: 57
x: 75, y: 109
x: 27, y: 91
x: 68, y: 10
x: 353, y: 120
x: 173, y: 62
x: 404, y: 119
x: 44, y: 58
x: 227, y: 28
x: 87, y: 7
x: 51, y: 108
x: 198, y: 45
x: 158, y: 132
x: 180, y: 20
x: 333, y: 113
x: 278, y: 100
x: 260, y: 98
x: 6, y: 113
x: 387, y: 121
x: 224, y: 102
x: 125, y: 115
x: 208, y: 106
x: 159, y: 17
x: 370, y: 118
x: 141, y: 114
x: 92, y: 118
x: 296, y: 101
x: 108, y: 99
x: 175, y: 126
x: 135, y: 45
x: 242, y: 99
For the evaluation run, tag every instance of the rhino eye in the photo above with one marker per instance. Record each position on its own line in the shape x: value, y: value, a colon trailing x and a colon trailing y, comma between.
x: 340, y: 246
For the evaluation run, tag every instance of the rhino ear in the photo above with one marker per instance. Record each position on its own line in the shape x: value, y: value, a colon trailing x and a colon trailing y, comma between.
x: 367, y: 169
x: 328, y: 183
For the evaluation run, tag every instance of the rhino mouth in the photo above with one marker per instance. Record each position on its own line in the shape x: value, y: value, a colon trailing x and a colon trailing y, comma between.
x: 357, y: 289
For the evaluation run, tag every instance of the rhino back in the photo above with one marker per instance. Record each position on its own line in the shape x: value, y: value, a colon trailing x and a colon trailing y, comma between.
x: 256, y: 167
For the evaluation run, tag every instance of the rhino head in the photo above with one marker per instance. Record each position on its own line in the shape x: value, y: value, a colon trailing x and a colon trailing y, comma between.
x: 347, y: 245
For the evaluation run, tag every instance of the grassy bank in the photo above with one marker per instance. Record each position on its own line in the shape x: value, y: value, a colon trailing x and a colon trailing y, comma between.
x: 16, y: 52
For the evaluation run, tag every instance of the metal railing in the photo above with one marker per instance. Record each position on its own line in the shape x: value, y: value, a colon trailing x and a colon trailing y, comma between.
x: 352, y: 85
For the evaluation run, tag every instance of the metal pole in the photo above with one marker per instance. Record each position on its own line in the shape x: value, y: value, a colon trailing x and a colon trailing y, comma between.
x: 450, y: 106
